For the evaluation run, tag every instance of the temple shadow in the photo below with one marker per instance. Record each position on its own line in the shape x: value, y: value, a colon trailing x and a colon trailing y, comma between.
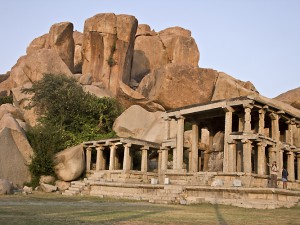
x: 220, y: 218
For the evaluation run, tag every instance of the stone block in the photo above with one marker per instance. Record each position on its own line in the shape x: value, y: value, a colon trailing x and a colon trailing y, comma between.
x: 167, y: 180
x: 237, y: 183
x: 154, y: 181
x: 217, y: 183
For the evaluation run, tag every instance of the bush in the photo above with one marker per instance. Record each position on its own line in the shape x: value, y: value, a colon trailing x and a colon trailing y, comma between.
x: 6, y: 99
x: 68, y: 116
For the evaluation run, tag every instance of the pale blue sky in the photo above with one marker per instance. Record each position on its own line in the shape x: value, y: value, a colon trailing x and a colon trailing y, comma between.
x: 256, y: 40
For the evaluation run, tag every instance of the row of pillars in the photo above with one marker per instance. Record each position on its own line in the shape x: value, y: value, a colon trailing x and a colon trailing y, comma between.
x: 127, y: 160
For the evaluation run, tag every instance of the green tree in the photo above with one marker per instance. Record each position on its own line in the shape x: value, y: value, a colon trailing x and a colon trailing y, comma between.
x: 68, y: 116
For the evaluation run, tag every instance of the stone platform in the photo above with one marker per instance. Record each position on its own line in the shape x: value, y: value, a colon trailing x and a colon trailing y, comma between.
x: 147, y: 187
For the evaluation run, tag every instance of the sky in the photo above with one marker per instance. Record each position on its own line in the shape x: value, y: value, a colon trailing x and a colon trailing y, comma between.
x: 251, y: 40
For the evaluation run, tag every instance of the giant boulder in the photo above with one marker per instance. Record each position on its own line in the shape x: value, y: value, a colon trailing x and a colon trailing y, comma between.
x: 291, y: 97
x: 69, y: 163
x: 78, y: 36
x: 15, y: 156
x: 139, y: 123
x: 176, y: 85
x: 61, y: 40
x: 107, y: 49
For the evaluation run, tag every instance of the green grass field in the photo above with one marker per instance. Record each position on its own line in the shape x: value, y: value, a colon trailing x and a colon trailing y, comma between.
x: 56, y: 209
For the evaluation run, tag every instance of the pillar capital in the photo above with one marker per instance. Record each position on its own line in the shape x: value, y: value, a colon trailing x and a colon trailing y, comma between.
x: 247, y: 106
x: 228, y: 109
x: 100, y: 147
x: 261, y: 144
x: 245, y: 141
x: 179, y: 116
x: 145, y: 148
x: 127, y: 145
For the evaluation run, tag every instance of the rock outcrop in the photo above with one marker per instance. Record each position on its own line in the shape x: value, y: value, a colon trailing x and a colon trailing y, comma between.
x: 154, y: 50
x: 78, y: 36
x: 69, y: 163
x: 107, y: 50
x: 291, y: 97
x: 137, y: 122
x: 5, y: 187
x: 175, y: 85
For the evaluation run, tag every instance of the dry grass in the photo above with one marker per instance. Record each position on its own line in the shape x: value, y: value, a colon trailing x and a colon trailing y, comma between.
x: 56, y: 209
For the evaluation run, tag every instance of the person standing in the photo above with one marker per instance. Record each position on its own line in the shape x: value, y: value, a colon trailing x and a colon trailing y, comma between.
x: 284, y: 175
x: 274, y: 171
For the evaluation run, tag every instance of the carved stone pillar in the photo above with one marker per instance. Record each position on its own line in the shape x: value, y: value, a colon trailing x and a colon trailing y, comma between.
x: 298, y: 168
x: 167, y: 128
x: 261, y: 122
x: 88, y: 158
x: 164, y: 159
x: 272, y: 154
x: 241, y: 122
x: 127, y: 158
x: 261, y: 149
x: 232, y: 156
x: 275, y: 126
x: 207, y: 140
x: 179, y: 142
x: 239, y: 157
x: 100, y: 159
x: 112, y: 158
x: 291, y: 166
x: 228, y: 130
x: 280, y: 161
x: 194, y: 151
x: 247, y: 119
x: 247, y: 148
x: 174, y: 158
x: 144, y: 163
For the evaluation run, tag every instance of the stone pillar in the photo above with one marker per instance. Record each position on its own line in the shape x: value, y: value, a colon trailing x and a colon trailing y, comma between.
x: 112, y: 158
x: 241, y: 122
x: 280, y: 161
x: 261, y: 148
x: 239, y: 157
x: 207, y: 140
x: 127, y: 158
x: 247, y: 148
x: 88, y: 158
x: 179, y: 142
x: 291, y: 166
x: 144, y: 163
x: 298, y: 168
x: 193, y: 160
x: 232, y: 156
x: 174, y: 158
x: 261, y: 122
x: 167, y: 128
x: 272, y: 154
x: 292, y: 129
x: 228, y: 130
x: 159, y: 160
x: 247, y: 119
x: 275, y: 126
x: 164, y: 159
x: 100, y: 159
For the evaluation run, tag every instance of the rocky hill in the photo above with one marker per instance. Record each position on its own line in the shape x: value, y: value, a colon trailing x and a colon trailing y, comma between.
x: 114, y: 56
x: 291, y: 97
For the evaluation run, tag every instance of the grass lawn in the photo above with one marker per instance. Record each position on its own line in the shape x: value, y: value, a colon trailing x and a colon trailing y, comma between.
x: 57, y: 209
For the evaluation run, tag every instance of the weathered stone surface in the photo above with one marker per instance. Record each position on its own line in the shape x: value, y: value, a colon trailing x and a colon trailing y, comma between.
x: 27, y: 190
x: 228, y: 87
x: 175, y: 85
x: 48, y: 188
x: 129, y: 97
x: 86, y: 79
x: 10, y: 122
x: 78, y: 38
x: 5, y: 187
x: 99, y: 92
x: 9, y: 108
x: 21, y: 100
x: 108, y: 48
x: 144, y: 29
x: 61, y: 40
x: 62, y: 185
x: 44, y: 61
x: 17, y: 75
x: 291, y: 97
x: 37, y: 44
x: 15, y: 155
x: 46, y: 179
x: 69, y: 163
x: 180, y: 46
x: 138, y: 123
x: 149, y: 54
x: 215, y: 162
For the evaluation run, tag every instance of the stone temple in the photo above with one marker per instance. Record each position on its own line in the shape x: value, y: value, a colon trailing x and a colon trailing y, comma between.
x: 216, y: 152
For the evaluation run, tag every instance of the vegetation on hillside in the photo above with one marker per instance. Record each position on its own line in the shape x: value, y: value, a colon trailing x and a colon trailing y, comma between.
x: 6, y: 99
x: 68, y: 116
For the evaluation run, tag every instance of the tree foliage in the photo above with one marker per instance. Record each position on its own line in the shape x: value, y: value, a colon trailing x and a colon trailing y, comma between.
x: 68, y: 116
